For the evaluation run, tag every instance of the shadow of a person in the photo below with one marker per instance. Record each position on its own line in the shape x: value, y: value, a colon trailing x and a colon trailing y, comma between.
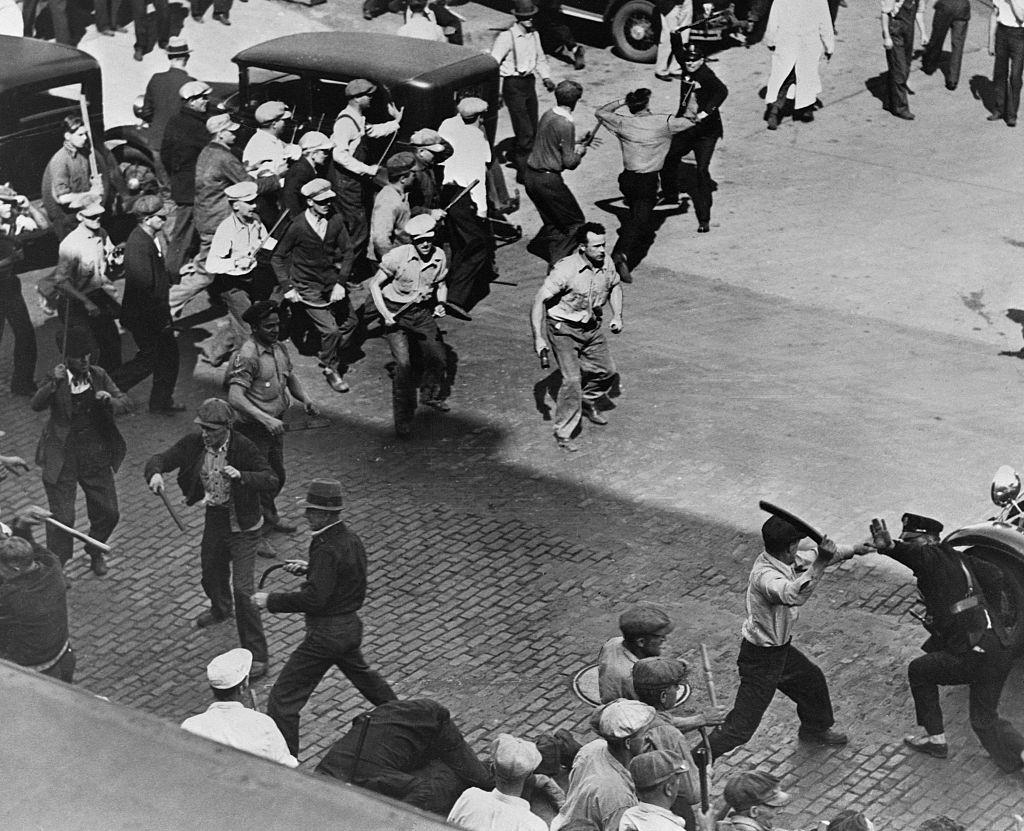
x: 984, y: 90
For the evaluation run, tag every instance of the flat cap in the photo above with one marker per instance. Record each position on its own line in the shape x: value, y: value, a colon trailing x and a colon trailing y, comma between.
x: 244, y: 191
x: 623, y: 718
x: 17, y: 553
x: 514, y: 757
x: 260, y: 310
x: 469, y: 107
x: 917, y: 524
x: 92, y: 208
x: 849, y: 820
x: 778, y: 535
x: 193, y: 89
x: 271, y: 111
x: 654, y: 767
x: 754, y: 787
x: 317, y: 189
x: 421, y: 225
x: 359, y: 86
x: 230, y: 669
x: 658, y: 672
x: 314, y: 140
x: 644, y: 619
x: 425, y: 138
x: 942, y: 823
x: 400, y: 163
x: 78, y: 343
x: 221, y: 121
x: 214, y: 412
x: 148, y: 205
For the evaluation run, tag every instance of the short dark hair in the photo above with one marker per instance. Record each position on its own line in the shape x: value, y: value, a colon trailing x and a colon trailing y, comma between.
x: 72, y: 123
x: 16, y: 553
x: 589, y: 228
x: 567, y: 93
x: 228, y: 694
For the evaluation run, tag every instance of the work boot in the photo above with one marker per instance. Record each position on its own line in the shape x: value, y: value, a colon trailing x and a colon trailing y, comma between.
x: 208, y: 618
x: 828, y: 738
x: 924, y: 744
x: 592, y: 414
x: 773, y: 117
x: 99, y: 565
x: 566, y: 444
x: 334, y: 380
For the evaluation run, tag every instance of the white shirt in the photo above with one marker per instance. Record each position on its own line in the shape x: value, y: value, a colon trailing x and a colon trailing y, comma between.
x: 1004, y: 14
x: 266, y: 152
x: 519, y: 53
x: 232, y: 724
x: 235, y: 240
x: 349, y: 130
x: 470, y: 157
x: 644, y: 817
x: 479, y: 810
x: 78, y: 387
x: 317, y: 223
x: 421, y: 28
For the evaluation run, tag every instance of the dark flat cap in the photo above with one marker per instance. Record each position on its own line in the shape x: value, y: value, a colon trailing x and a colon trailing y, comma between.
x: 644, y: 619
x: 656, y: 673
x: 259, y: 311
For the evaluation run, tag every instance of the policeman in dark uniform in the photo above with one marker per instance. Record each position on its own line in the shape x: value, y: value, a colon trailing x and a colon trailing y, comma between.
x: 966, y: 644
x: 700, y: 96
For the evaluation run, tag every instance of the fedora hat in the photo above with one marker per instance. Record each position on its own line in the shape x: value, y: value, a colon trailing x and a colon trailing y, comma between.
x: 323, y: 495
x: 524, y: 8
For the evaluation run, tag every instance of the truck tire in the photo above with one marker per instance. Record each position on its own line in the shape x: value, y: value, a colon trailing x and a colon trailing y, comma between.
x: 636, y: 27
x: 1009, y: 605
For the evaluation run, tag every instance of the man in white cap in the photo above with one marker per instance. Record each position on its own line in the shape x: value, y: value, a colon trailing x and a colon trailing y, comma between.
x: 162, y: 98
x: 470, y: 232
x: 431, y: 153
x: 657, y: 775
x: 504, y: 808
x: 312, y: 261
x: 266, y: 151
x: 351, y: 156
x: 228, y: 721
x: 600, y: 785
x: 232, y: 263
x: 314, y: 162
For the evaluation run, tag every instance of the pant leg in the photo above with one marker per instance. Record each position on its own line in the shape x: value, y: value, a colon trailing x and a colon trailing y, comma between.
x: 165, y: 369
x: 29, y: 11
x: 926, y: 673
x: 101, y: 10
x: 435, y: 788
x: 14, y: 311
x: 108, y: 341
x: 142, y: 365
x: 1016, y: 44
x: 403, y: 384
x: 422, y: 329
x: 228, y: 338
x: 520, y: 96
x: 472, y: 267
x: 191, y: 285
x: 163, y: 22
x: 663, y: 62
x: 760, y: 670
x: 957, y: 39
x: 330, y: 334
x: 560, y: 212
x: 215, y: 557
x: 640, y: 193
x: 60, y: 498
x: 301, y: 674
x: 61, y: 25
x: 100, y: 504
x: 596, y: 365
x: 998, y: 736
x: 347, y: 638
x: 703, y: 150
x: 569, y: 404
x: 352, y: 198
x: 272, y: 448
x: 804, y: 683
x: 141, y: 24
x: 942, y: 18
x: 242, y: 549
x: 899, y: 65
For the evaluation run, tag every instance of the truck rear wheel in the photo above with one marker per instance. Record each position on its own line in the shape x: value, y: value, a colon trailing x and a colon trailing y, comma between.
x: 635, y: 30
x: 1009, y: 605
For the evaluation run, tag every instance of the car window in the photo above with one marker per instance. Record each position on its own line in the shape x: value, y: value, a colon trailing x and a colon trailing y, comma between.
x: 30, y: 107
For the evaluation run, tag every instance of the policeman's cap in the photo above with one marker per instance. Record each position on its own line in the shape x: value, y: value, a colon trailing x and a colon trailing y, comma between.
x: 917, y: 524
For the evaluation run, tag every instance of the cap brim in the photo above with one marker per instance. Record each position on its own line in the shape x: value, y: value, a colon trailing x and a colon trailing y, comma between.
x: 306, y: 504
x: 778, y: 799
x: 211, y: 424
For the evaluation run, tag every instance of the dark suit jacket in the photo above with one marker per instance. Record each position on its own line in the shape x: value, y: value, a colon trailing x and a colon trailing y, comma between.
x: 186, y: 456
x: 305, y: 262
x: 710, y: 93
x: 57, y: 396
x: 162, y: 101
x: 184, y: 138
x: 299, y: 173
x: 145, y: 285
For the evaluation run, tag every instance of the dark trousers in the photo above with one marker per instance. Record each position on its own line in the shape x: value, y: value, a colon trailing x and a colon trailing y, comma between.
x: 107, y: 13
x: 587, y: 368
x: 948, y: 16
x: 97, y: 484
x: 14, y: 311
x: 703, y: 148
x: 144, y: 27
x: 333, y: 333
x: 898, y: 59
x: 416, y: 327
x: 332, y: 641
x: 355, y: 200
x: 64, y: 669
x: 272, y: 447
x: 198, y: 7
x: 102, y: 325
x: 520, y: 96
x: 472, y: 267
x: 763, y: 670
x: 1006, y: 72
x: 985, y: 674
x: 157, y: 355
x: 228, y: 559
x: 58, y: 13
x: 559, y: 211
x: 640, y: 193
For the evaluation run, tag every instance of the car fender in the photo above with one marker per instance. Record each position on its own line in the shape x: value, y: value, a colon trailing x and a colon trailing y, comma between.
x: 130, y: 135
x: 1000, y: 536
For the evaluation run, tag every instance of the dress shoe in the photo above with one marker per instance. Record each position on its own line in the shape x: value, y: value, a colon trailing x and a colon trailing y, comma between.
x: 805, y: 114
x: 772, y: 117
x: 169, y: 409
x: 138, y: 55
x: 568, y: 445
x: 1011, y: 122
x: 951, y: 87
x: 923, y: 744
x: 593, y: 415
x: 282, y: 527
x: 198, y: 18
x: 662, y: 76
x: 265, y: 550
x: 438, y: 404
x: 703, y: 228
x: 258, y: 668
x: 828, y: 738
x: 994, y: 117
x: 208, y: 618
x: 222, y: 18
x: 578, y: 59
x: 621, y: 266
x: 99, y: 565
x: 906, y: 115
x: 334, y: 380
x: 107, y: 32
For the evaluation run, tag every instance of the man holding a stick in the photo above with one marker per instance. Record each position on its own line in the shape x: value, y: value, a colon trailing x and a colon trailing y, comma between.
x: 226, y: 473
x: 768, y: 661
x: 80, y: 445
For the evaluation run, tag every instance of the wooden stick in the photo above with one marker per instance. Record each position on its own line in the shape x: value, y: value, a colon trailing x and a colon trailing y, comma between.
x: 709, y: 675
x: 172, y: 512
x: 83, y: 106
x: 462, y: 193
x: 83, y: 537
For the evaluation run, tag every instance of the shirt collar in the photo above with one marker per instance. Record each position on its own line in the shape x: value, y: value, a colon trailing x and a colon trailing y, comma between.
x: 76, y: 384
x: 517, y: 29
x: 226, y: 705
x: 565, y: 112
x: 318, y: 532
x: 313, y: 219
x: 72, y: 150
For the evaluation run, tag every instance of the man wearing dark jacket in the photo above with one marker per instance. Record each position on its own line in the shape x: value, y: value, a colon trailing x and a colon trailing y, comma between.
x: 162, y: 98
x: 33, y: 603
x: 331, y: 597
x: 225, y: 472
x: 145, y: 311
x: 966, y: 644
x: 80, y: 445
x: 315, y: 162
x: 700, y: 96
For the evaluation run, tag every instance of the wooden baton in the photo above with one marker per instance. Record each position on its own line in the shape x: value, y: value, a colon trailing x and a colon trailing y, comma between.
x: 172, y: 512
x: 102, y: 546
x: 709, y: 675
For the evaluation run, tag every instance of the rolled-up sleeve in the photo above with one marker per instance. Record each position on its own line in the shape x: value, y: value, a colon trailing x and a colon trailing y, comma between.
x: 777, y: 588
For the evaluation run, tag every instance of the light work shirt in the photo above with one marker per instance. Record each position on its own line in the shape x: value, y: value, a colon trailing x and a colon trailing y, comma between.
x: 233, y: 724
x: 262, y: 372
x: 471, y: 153
x: 580, y: 287
x: 615, y: 671
x: 411, y: 277
x: 645, y: 817
x: 599, y: 788
x: 232, y: 241
x: 421, y: 28
x: 390, y: 213
x: 349, y: 130
x: 519, y: 53
x: 644, y: 138
x: 774, y: 596
x: 267, y: 153
x: 478, y: 810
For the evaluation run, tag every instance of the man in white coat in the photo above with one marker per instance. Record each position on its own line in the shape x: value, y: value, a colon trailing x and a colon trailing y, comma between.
x: 798, y: 33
